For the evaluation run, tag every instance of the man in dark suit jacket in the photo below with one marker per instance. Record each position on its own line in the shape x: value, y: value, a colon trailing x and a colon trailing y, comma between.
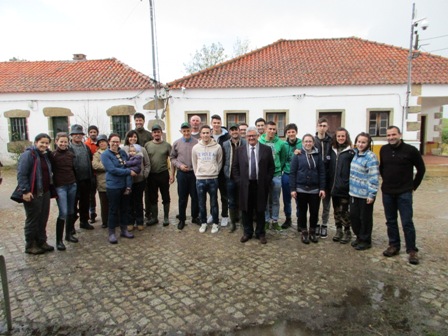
x: 253, y: 169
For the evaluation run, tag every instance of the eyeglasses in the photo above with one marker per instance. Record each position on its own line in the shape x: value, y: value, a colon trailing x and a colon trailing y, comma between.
x: 251, y: 136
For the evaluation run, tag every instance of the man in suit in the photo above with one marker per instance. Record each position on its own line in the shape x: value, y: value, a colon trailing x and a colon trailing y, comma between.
x: 253, y: 170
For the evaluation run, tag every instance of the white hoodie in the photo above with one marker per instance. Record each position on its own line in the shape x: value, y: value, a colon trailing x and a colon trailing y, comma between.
x: 206, y: 159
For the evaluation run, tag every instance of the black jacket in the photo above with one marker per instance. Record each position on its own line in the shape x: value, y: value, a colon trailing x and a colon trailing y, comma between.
x: 307, y: 173
x: 340, y: 171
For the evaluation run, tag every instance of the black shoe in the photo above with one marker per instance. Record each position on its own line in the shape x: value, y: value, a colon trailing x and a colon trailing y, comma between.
x: 152, y: 221
x: 34, y: 249
x: 287, y: 223
x: 305, y: 238
x: 355, y: 243
x: 86, y: 226
x: 338, y: 236
x: 60, y: 246
x: 92, y: 217
x: 318, y: 230
x: 363, y: 246
x: 70, y: 238
x: 196, y: 221
x: 181, y: 225
x: 313, y: 237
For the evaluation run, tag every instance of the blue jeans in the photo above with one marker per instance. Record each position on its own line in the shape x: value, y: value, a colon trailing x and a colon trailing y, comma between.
x: 274, y: 199
x: 286, y: 191
x: 186, y: 186
x: 203, y: 187
x: 66, y: 200
x: 392, y: 205
x: 118, y: 208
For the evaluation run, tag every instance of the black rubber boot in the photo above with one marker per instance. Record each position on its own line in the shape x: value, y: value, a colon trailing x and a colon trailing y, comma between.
x: 69, y: 228
x: 166, y: 214
x: 59, y: 233
x: 233, y: 215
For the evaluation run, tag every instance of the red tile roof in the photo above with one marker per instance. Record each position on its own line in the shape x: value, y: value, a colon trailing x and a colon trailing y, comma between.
x: 319, y: 62
x: 64, y: 76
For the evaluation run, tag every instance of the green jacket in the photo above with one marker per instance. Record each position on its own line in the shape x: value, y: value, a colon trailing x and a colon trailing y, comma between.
x: 290, y: 148
x: 278, y: 152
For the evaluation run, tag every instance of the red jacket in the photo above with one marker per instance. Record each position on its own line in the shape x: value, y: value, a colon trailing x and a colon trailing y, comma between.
x: 92, y: 146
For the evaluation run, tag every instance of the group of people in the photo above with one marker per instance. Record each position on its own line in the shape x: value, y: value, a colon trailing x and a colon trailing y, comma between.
x: 250, y: 167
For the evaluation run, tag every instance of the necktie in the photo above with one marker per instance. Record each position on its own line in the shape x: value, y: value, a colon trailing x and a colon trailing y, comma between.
x: 253, y: 167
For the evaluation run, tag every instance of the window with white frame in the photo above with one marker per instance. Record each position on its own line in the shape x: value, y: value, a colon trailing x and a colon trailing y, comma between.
x: 19, y: 129
x: 121, y: 125
x: 280, y: 120
x: 378, y: 123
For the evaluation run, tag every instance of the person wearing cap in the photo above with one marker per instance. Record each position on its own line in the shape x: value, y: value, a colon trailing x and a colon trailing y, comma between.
x: 229, y: 148
x: 92, y: 143
x: 143, y: 135
x: 159, y: 178
x: 84, y: 175
x: 220, y: 134
x: 186, y: 181
x: 100, y: 174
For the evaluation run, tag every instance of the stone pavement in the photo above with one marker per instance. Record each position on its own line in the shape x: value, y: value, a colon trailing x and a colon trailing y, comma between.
x: 166, y: 282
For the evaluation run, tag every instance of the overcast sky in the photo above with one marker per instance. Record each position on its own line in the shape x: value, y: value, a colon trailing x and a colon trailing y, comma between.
x: 55, y: 29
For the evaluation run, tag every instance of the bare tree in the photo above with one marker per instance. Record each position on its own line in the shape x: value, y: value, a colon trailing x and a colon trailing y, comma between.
x: 241, y: 47
x: 206, y: 57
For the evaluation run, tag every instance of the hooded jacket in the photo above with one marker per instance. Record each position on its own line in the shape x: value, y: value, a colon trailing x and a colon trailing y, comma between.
x: 340, y: 171
x: 307, y: 172
x: 278, y: 152
x: 206, y: 159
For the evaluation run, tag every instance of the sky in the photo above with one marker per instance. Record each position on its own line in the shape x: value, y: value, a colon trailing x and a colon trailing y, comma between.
x: 36, y: 30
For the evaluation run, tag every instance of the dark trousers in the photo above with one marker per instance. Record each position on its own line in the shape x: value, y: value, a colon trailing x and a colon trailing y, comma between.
x: 82, y: 202
x: 401, y: 203
x: 222, y: 186
x: 104, y: 206
x: 158, y: 181
x: 304, y: 202
x: 92, y: 199
x: 37, y: 212
x: 248, y: 216
x: 361, y: 217
x: 186, y: 186
x: 136, y: 206
x: 118, y: 208
x: 341, y: 214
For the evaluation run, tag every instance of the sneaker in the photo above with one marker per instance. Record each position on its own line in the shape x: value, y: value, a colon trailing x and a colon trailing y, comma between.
x: 113, y: 238
x: 203, y: 228
x: 413, y: 258
x: 323, y: 231
x: 276, y: 226
x: 215, y: 228
x: 126, y: 234
x: 391, y: 251
x: 224, y: 221
x: 210, y: 219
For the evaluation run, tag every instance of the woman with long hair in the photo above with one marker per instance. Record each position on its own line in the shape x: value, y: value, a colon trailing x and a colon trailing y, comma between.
x: 341, y: 156
x: 34, y: 175
x: 364, y: 173
x: 64, y: 178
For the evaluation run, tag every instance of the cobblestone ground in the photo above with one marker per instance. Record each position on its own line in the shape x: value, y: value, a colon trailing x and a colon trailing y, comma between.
x: 166, y: 282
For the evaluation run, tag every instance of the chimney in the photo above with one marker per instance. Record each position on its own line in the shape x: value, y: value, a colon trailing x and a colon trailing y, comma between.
x: 79, y: 57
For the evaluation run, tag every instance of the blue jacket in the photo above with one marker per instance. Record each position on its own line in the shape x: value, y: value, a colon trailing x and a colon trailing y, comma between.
x: 364, y: 173
x: 307, y: 173
x: 116, y: 173
x: 28, y: 179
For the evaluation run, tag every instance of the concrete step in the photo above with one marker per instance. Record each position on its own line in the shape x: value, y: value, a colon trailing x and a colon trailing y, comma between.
x: 436, y: 170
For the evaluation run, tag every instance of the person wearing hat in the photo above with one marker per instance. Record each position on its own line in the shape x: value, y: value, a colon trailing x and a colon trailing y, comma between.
x: 159, y: 178
x: 229, y: 148
x: 92, y: 143
x: 100, y: 174
x: 84, y: 175
x: 186, y: 180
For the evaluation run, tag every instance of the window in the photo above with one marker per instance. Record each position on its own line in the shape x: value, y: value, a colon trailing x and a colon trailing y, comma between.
x: 334, y: 120
x: 378, y: 123
x: 19, y: 129
x: 280, y: 119
x: 121, y: 125
x: 200, y: 114
x: 235, y: 118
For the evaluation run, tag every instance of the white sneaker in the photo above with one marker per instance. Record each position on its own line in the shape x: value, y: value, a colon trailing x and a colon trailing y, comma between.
x: 215, y: 228
x: 203, y: 228
x: 210, y: 219
x: 224, y: 221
